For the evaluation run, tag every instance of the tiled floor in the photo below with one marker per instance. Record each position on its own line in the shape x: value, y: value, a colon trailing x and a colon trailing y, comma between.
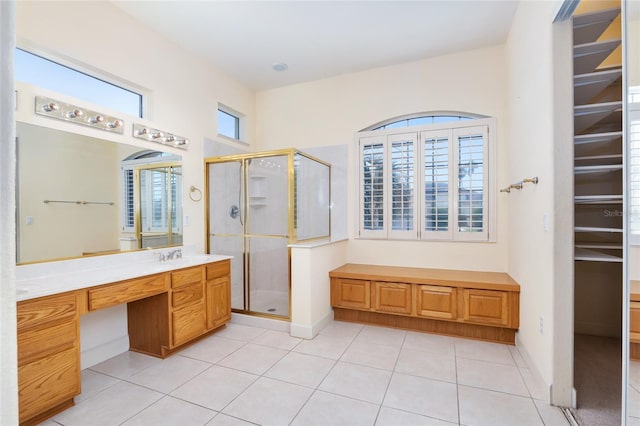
x: 350, y: 374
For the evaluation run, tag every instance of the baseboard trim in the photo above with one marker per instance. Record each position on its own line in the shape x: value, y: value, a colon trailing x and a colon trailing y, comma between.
x: 96, y: 355
x: 532, y: 367
x: 305, y: 331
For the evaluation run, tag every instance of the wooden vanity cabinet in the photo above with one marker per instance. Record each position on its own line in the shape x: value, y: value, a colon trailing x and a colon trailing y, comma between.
x: 48, y: 356
x: 188, y: 316
x: 218, y: 294
x: 479, y: 305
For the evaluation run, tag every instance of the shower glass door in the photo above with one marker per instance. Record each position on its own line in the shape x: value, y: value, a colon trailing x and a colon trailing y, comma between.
x: 267, y: 231
x: 249, y: 220
x: 226, y: 229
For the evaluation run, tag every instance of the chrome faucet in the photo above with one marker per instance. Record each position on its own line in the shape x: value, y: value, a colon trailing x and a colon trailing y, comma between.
x: 174, y: 254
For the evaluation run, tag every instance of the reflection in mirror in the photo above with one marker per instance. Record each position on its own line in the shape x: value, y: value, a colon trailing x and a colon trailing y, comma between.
x: 160, y: 190
x: 76, y: 195
x: 633, y: 205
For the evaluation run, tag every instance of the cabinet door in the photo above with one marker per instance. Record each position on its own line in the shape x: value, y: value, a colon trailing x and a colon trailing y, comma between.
x: 188, y: 323
x: 218, y: 302
x: 48, y: 382
x: 392, y: 297
x: 634, y: 322
x: 346, y: 293
x: 486, y: 306
x: 436, y: 302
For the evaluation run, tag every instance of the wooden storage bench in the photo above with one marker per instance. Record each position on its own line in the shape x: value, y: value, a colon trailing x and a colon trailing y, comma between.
x: 477, y: 305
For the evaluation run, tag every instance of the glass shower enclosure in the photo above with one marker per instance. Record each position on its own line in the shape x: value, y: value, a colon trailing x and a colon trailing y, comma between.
x: 258, y: 204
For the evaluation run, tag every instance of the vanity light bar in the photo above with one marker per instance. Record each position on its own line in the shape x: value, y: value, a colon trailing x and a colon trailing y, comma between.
x: 67, y: 112
x: 154, y: 135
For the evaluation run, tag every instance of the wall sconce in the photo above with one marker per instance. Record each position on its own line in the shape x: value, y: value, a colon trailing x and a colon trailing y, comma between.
x: 74, y: 114
x: 141, y: 131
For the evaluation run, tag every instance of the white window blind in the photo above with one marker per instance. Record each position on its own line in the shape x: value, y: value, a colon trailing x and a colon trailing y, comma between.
x: 128, y: 193
x: 372, y: 186
x: 403, y: 185
x: 471, y: 183
x: 431, y: 184
x: 437, y: 177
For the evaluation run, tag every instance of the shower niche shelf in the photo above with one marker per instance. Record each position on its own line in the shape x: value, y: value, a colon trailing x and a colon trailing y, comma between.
x: 257, y: 191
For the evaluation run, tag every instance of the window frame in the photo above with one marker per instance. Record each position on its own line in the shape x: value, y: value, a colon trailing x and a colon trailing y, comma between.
x: 454, y: 129
x: 239, y: 123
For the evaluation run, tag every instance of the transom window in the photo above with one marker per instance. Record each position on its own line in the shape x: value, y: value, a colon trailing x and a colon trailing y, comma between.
x: 228, y: 122
x: 45, y: 73
x: 428, y: 182
x: 421, y: 120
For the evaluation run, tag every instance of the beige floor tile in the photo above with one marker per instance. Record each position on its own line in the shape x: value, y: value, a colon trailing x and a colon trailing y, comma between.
x: 215, y: 388
x: 324, y: 409
x: 392, y: 417
x: 381, y: 336
x: 301, y: 369
x: 551, y: 416
x: 241, y: 332
x: 487, y: 375
x: 432, y: 343
x: 479, y: 407
x: 425, y: 364
x: 94, y: 383
x: 427, y: 397
x: 342, y: 329
x: 126, y: 364
x: 269, y: 402
x: 325, y: 345
x: 277, y: 339
x: 517, y: 356
x: 357, y: 381
x: 171, y: 412
x: 224, y: 420
x: 111, y: 407
x: 484, y: 351
x: 536, y: 387
x: 213, y: 349
x: 372, y: 355
x: 171, y: 373
x: 253, y: 359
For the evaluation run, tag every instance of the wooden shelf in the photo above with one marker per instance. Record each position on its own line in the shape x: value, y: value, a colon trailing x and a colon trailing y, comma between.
x: 597, y: 138
x: 599, y: 246
x: 586, y: 116
x: 597, y: 229
x: 594, y: 256
x: 588, y: 56
x: 597, y: 169
x: 588, y: 27
x: 587, y: 86
x: 598, y: 199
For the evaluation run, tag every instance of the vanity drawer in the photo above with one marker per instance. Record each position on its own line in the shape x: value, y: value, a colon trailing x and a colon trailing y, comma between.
x: 40, y: 343
x: 47, y: 383
x: 44, y: 310
x: 186, y: 276
x: 218, y: 269
x: 126, y: 291
x: 187, y: 323
x: 186, y: 295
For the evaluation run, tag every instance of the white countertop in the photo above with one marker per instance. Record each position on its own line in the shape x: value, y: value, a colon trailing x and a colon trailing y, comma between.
x: 45, y: 279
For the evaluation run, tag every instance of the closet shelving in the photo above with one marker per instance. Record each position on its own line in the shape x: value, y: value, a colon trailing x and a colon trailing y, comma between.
x: 598, y: 159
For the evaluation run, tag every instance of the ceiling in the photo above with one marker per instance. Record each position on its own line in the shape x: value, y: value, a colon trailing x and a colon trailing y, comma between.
x: 320, y: 39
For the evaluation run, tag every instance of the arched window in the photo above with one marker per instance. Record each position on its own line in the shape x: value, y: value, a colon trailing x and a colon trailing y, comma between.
x: 428, y: 176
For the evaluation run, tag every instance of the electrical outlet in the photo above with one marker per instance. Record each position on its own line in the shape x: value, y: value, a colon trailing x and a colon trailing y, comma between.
x: 541, y: 325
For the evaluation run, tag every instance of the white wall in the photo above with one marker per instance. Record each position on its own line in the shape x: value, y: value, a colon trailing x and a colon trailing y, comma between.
x: 331, y: 111
x: 537, y: 147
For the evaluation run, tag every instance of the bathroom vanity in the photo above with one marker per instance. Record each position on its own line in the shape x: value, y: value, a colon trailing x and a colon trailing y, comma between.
x: 169, y: 305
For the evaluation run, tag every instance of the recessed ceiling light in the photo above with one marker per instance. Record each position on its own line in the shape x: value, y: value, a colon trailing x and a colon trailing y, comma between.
x: 280, y: 66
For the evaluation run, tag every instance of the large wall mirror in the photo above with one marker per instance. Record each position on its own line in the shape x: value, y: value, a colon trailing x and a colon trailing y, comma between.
x: 81, y: 196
